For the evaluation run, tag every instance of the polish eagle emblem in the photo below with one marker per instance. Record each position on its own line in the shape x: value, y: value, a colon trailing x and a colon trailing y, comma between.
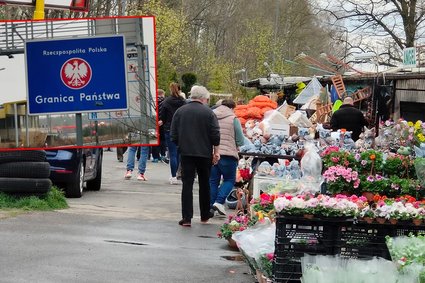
x: 76, y: 73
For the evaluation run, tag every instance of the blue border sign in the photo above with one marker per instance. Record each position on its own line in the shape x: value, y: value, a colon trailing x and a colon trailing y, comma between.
x: 75, y: 75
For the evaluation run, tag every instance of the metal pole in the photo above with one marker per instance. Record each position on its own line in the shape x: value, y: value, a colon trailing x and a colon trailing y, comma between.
x: 79, y: 128
x: 15, y: 111
x: 142, y: 80
x: 26, y: 127
x: 39, y: 10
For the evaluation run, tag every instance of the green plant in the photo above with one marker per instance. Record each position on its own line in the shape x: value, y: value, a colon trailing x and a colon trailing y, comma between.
x: 373, y: 183
x: 265, y: 263
x: 400, y: 186
x: 370, y: 161
x: 333, y: 158
x: 188, y: 79
x: 54, y: 199
x: 392, y: 165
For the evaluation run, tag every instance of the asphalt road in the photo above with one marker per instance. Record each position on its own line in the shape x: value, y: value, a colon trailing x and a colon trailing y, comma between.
x: 126, y: 232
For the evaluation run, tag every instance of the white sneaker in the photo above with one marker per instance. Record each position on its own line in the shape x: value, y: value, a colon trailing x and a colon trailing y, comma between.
x: 219, y: 208
x: 174, y: 181
x: 128, y: 174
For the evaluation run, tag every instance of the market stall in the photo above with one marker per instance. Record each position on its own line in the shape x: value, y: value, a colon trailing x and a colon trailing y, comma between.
x: 372, y: 192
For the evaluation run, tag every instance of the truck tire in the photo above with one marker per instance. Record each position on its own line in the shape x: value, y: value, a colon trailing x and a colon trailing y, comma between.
x: 28, y: 169
x: 22, y: 156
x: 74, y: 189
x: 25, y: 185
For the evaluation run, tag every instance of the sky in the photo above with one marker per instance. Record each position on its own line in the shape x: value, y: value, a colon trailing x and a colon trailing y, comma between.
x: 12, y: 79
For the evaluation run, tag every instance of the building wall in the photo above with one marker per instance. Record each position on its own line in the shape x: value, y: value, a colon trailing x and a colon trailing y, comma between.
x: 408, y: 91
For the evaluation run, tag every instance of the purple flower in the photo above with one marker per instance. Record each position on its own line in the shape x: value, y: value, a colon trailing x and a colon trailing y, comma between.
x: 370, y: 178
x: 363, y: 163
x: 378, y: 177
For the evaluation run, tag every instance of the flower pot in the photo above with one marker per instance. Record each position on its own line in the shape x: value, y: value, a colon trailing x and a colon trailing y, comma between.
x: 259, y: 276
x: 368, y: 195
x: 368, y: 220
x: 309, y: 216
x: 381, y: 220
x: 265, y: 279
x: 393, y: 221
x: 232, y: 244
x: 417, y: 222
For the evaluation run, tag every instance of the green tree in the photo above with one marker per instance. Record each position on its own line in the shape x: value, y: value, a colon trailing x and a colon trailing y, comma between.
x: 188, y: 79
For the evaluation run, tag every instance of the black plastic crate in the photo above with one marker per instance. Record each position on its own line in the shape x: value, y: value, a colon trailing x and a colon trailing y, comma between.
x: 286, y: 270
x: 366, y: 251
x: 290, y: 227
x: 296, y: 236
x: 362, y: 233
x: 406, y: 230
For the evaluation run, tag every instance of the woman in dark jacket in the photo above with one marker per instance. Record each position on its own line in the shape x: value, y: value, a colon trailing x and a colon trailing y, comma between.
x: 168, y: 108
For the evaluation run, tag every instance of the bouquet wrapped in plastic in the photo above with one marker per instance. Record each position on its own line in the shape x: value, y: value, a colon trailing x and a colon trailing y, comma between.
x: 408, y: 252
x: 311, y: 168
x: 256, y: 241
x: 335, y: 269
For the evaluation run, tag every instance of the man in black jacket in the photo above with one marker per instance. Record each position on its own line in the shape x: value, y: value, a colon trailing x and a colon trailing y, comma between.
x: 196, y: 132
x: 350, y: 118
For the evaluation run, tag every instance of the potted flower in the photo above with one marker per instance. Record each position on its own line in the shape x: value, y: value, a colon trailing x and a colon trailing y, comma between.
x: 367, y: 214
x: 370, y: 161
x: 372, y: 185
x: 400, y: 186
x: 341, y: 179
x: 263, y: 203
x: 334, y: 156
x: 231, y: 225
x: 382, y: 213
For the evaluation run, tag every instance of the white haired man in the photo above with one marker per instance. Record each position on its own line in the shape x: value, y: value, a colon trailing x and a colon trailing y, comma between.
x: 196, y: 132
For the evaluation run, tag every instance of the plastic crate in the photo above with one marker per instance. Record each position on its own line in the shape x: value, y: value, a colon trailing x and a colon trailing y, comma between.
x: 296, y: 236
x: 405, y: 230
x: 286, y: 270
x: 362, y: 240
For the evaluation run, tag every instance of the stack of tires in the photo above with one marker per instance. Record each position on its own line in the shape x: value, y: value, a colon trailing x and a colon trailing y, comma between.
x: 24, y: 172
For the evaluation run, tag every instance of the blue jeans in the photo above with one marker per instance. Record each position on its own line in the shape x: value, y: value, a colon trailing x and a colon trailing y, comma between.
x: 173, y: 154
x: 142, y: 160
x: 225, y: 167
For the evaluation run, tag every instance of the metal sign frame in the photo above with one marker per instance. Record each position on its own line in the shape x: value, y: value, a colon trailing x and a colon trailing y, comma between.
x: 45, y: 86
x: 77, y: 5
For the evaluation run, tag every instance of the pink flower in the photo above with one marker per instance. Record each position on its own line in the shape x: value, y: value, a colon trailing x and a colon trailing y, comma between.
x: 335, y: 159
x: 270, y: 256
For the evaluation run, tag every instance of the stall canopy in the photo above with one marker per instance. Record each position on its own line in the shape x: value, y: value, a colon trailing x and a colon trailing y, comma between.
x: 311, y: 91
x: 275, y: 82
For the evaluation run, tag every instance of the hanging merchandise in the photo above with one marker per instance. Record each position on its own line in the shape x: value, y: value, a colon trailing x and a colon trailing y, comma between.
x: 312, y: 90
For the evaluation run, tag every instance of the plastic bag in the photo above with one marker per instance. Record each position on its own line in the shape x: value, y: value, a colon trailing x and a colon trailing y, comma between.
x: 335, y: 269
x: 311, y: 168
x: 256, y: 240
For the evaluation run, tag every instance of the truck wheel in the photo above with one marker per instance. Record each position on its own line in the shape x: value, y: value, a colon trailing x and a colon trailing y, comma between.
x: 22, y: 155
x: 74, y: 189
x: 95, y: 184
x: 25, y: 185
x: 27, y: 169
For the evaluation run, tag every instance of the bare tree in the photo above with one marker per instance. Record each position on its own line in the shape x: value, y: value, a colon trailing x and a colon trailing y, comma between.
x: 388, y: 26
